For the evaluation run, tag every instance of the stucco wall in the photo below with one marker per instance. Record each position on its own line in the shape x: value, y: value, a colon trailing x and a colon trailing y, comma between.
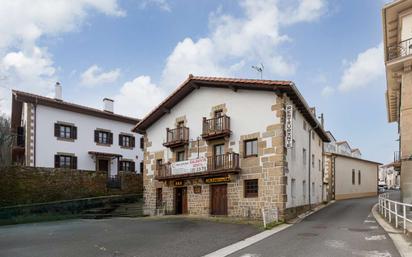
x: 298, y: 171
x: 48, y: 145
x: 343, y: 171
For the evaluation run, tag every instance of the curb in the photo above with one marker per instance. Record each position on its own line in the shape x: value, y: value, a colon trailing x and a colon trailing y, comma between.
x: 403, y: 246
x: 225, y: 251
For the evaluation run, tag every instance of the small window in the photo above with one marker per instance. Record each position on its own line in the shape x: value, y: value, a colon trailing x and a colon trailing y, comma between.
x: 126, y: 141
x: 320, y: 142
x: 319, y: 165
x: 304, y: 125
x: 304, y: 156
x: 251, y: 148
x: 65, y: 161
x: 313, y: 135
x: 180, y: 156
x: 127, y: 166
x: 313, y: 161
x: 218, y: 113
x: 103, y: 137
x: 294, y: 114
x: 159, y: 163
x: 359, y: 177
x: 353, y: 177
x: 141, y: 167
x: 304, y: 190
x: 65, y: 131
x: 141, y: 143
x: 251, y: 188
x: 313, y: 189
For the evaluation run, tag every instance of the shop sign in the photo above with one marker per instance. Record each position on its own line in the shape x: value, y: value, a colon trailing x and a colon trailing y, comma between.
x: 197, y: 189
x: 189, y: 166
x: 178, y: 183
x: 289, y: 126
x: 217, y: 180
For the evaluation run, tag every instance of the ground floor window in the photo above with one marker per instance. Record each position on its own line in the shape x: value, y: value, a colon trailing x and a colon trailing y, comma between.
x: 127, y: 166
x: 251, y: 188
x: 65, y: 161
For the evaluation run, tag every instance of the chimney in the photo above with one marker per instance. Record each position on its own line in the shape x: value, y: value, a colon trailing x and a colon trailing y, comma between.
x: 108, y: 105
x: 58, y: 91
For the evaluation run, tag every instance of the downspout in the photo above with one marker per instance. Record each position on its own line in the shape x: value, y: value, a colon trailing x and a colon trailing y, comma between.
x: 35, y: 132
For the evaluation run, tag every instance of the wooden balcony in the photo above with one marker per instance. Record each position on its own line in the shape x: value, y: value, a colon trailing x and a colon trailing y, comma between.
x: 216, y: 165
x: 216, y: 128
x: 176, y: 137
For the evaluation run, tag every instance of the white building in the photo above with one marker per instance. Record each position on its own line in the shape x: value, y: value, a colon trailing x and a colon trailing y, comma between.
x: 389, y: 176
x: 347, y: 175
x: 218, y: 146
x: 54, y: 133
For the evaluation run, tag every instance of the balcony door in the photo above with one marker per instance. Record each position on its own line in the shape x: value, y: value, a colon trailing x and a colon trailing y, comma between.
x: 218, y: 120
x: 218, y: 155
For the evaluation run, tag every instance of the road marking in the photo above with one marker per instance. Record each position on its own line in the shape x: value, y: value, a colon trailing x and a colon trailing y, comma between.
x: 339, y: 244
x: 371, y: 254
x: 247, y: 242
x: 377, y: 237
x: 251, y: 255
x: 370, y: 221
x: 373, y: 227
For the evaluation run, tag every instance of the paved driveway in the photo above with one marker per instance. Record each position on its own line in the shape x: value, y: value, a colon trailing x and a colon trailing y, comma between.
x: 120, y: 237
x: 345, y: 228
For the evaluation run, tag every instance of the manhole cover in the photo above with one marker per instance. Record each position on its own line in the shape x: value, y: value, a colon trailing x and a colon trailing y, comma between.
x: 307, y: 234
x: 360, y: 229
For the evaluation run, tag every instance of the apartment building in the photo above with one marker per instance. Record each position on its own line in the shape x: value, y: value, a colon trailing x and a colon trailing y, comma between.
x: 51, y: 132
x: 224, y: 146
x: 389, y: 176
x: 397, y: 38
x: 347, y: 174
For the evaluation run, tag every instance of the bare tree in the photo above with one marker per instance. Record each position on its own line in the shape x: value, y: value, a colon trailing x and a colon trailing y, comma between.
x: 6, y: 141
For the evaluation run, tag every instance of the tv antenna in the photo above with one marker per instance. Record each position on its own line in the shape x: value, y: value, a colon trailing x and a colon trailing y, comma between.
x: 259, y: 69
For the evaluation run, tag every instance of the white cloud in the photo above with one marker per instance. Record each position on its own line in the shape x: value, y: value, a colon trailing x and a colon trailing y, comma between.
x: 252, y: 38
x: 366, y: 69
x: 138, y: 97
x: 162, y: 4
x: 94, y: 75
x: 327, y: 91
x: 27, y: 65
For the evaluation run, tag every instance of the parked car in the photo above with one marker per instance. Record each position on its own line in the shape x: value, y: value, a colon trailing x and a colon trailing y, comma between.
x: 381, y: 189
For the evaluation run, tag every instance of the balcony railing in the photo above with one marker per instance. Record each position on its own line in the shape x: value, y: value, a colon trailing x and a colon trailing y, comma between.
x: 402, y: 49
x: 216, y: 127
x: 219, y: 164
x: 176, y: 137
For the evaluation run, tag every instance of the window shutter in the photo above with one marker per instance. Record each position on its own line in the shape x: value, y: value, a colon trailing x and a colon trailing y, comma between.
x: 121, y: 140
x: 141, y: 167
x: 96, y: 136
x: 132, y: 167
x: 141, y: 143
x: 74, y: 162
x: 132, y: 141
x: 56, y: 130
x: 119, y: 165
x: 74, y: 132
x: 56, y: 161
x: 110, y: 138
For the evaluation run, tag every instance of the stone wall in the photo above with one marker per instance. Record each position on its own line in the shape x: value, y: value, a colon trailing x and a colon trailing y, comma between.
x: 26, y: 185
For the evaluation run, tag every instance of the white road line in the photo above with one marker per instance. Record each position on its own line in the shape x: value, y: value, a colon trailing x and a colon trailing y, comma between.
x: 374, y: 238
x: 247, y: 242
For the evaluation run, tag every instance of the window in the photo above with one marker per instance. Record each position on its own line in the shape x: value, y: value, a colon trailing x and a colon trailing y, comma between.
x: 251, y: 188
x: 353, y: 177
x: 127, y: 166
x: 218, y: 113
x: 359, y: 177
x: 65, y: 161
x: 313, y: 189
x: 320, y: 142
x: 293, y: 150
x: 304, y: 156
x: 251, y: 148
x: 141, y: 143
x: 159, y: 163
x: 180, y: 124
x: 141, y: 167
x: 180, y: 156
x: 218, y: 152
x: 304, y: 190
x: 304, y: 125
x: 126, y: 141
x: 65, y: 131
x: 293, y: 189
x: 294, y: 113
x: 103, y: 137
x: 159, y: 197
x: 313, y: 135
x: 319, y: 165
x: 313, y: 161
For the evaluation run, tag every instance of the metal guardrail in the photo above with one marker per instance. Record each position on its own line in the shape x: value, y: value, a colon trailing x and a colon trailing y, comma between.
x: 401, y: 49
x: 391, y: 209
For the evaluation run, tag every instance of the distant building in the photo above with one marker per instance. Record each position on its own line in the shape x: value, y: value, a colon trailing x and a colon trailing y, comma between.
x: 346, y: 174
x: 51, y: 132
x: 389, y: 176
x: 223, y: 146
x: 397, y: 45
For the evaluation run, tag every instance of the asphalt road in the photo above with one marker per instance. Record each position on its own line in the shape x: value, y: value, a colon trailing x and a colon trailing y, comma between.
x: 120, y: 237
x: 345, y: 228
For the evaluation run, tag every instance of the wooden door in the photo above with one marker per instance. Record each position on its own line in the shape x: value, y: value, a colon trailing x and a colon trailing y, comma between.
x: 218, y: 199
x: 181, y: 200
x: 184, y: 200
x: 103, y: 165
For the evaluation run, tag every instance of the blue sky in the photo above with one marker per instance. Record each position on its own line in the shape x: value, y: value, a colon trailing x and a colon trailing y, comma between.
x: 136, y: 51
